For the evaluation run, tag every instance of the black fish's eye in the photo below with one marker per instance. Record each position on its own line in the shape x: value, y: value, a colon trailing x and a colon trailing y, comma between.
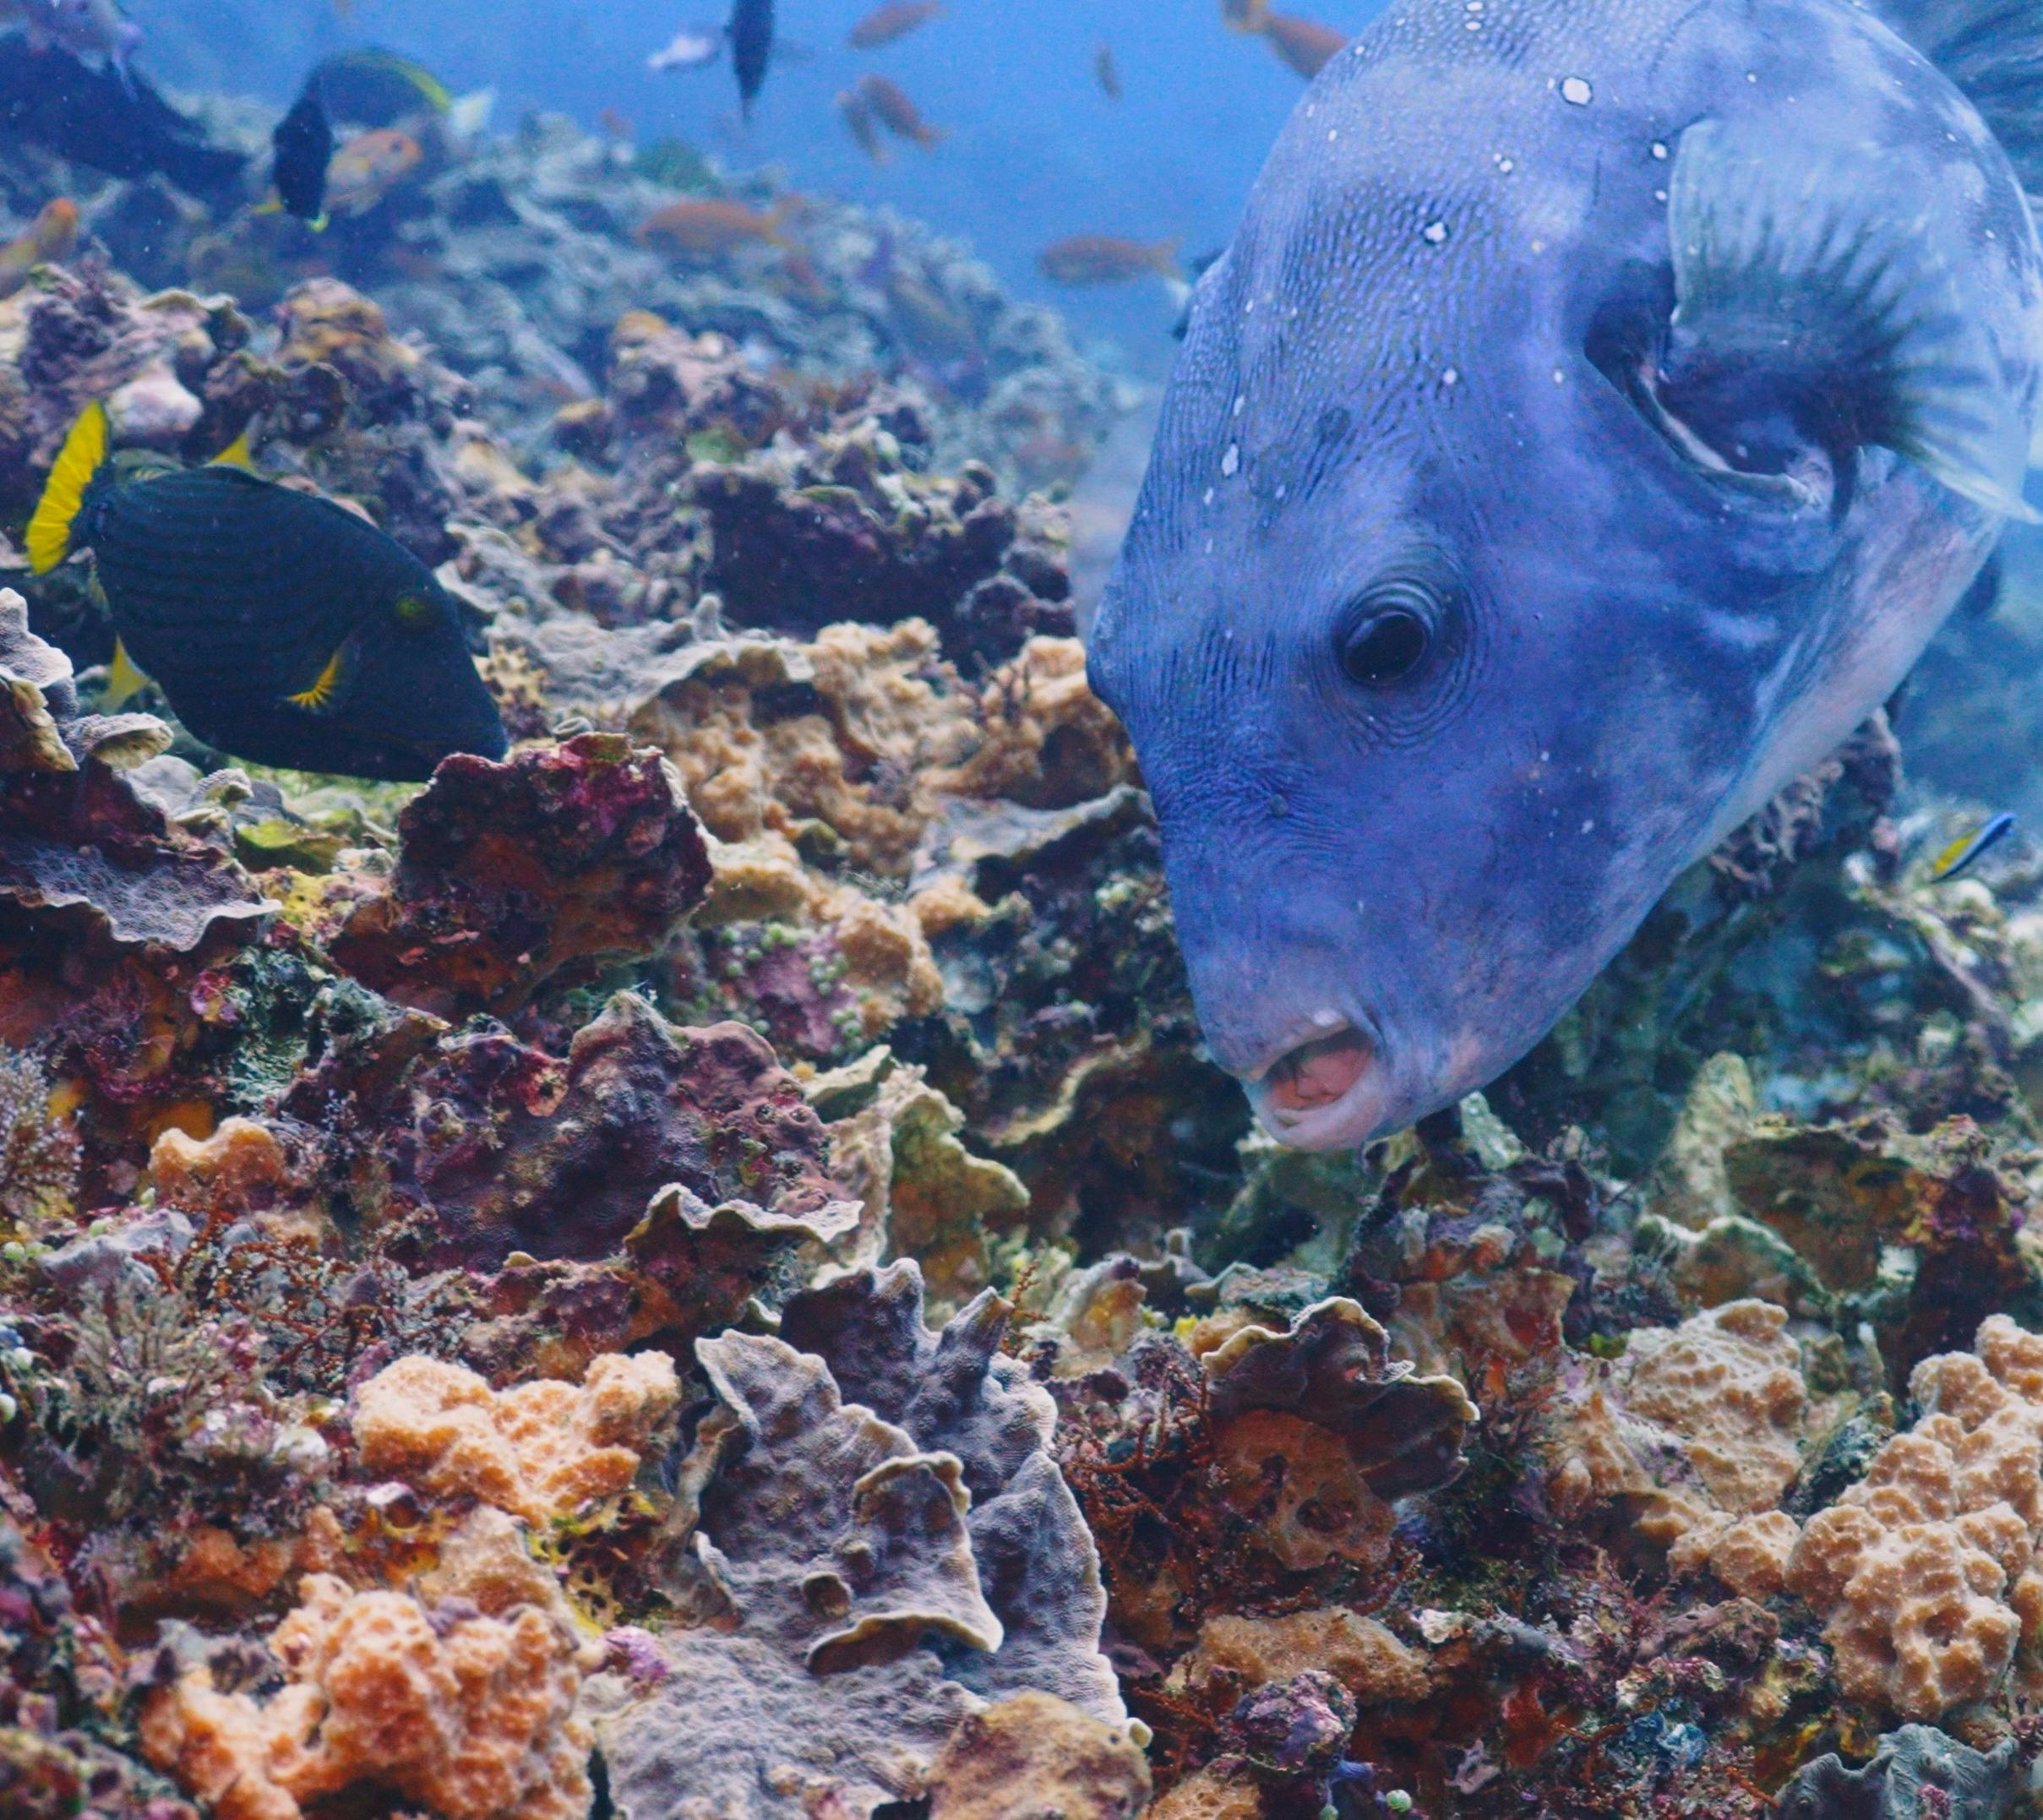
x: 1385, y: 635
x: 413, y: 610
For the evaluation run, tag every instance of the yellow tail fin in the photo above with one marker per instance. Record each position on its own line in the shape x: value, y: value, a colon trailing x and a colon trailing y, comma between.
x: 81, y: 457
x: 238, y: 453
x: 123, y: 680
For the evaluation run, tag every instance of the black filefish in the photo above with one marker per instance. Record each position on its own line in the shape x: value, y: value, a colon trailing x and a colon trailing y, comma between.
x: 303, y: 147
x: 751, y: 34
x: 119, y: 125
x: 281, y: 627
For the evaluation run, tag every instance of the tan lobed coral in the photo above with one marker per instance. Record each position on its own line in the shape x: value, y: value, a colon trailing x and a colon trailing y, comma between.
x: 1365, y: 1656
x: 1699, y: 1428
x: 924, y: 1195
x: 469, y: 1713
x: 1925, y: 1570
x: 868, y: 731
x: 1034, y: 1755
x: 538, y: 1451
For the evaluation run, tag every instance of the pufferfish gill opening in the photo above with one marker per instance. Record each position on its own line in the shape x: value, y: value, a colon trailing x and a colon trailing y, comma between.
x: 281, y: 627
x: 1597, y: 410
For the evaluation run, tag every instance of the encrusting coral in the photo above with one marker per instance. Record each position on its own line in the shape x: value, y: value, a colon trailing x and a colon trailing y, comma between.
x: 1702, y: 1428
x: 466, y: 1711
x: 1923, y: 1570
x: 867, y: 1573
x: 537, y: 1449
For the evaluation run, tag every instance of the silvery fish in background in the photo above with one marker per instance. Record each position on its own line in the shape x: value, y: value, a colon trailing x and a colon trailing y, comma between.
x: 1597, y: 410
x: 689, y: 48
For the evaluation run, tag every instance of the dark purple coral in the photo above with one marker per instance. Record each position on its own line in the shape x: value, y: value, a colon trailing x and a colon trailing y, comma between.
x: 509, y: 873
x: 489, y: 1147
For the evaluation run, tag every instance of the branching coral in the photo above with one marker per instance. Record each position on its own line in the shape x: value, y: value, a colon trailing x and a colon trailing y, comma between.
x: 38, y: 1149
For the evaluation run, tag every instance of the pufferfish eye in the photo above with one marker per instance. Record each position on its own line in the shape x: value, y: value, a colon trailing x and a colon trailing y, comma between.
x: 1386, y: 634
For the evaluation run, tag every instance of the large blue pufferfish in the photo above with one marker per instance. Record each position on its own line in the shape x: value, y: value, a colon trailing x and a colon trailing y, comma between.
x: 1601, y: 404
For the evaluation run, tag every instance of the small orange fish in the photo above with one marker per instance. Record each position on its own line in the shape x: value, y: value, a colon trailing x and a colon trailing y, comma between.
x: 705, y: 229
x: 1305, y: 44
x: 1106, y: 259
x: 617, y: 125
x: 1105, y: 74
x: 48, y: 238
x: 894, y: 20
x: 857, y: 117
x: 895, y: 112
x: 367, y: 168
x: 1244, y: 15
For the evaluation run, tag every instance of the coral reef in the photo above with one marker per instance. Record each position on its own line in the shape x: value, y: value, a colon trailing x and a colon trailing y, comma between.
x: 704, y: 1268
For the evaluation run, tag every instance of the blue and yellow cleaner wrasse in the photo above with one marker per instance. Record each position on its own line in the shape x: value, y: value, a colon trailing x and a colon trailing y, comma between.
x: 1601, y: 404
x: 1968, y: 848
x: 281, y: 627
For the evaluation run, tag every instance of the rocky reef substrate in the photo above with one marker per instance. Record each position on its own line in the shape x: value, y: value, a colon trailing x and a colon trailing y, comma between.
x: 702, y: 1270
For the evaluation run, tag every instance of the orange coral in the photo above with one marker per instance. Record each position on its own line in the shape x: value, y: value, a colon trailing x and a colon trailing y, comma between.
x: 538, y: 1450
x: 469, y: 1715
x: 1925, y: 1570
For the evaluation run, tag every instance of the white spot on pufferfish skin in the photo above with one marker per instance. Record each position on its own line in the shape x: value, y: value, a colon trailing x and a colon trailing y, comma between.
x: 1576, y: 91
x: 1230, y: 461
x: 1434, y: 232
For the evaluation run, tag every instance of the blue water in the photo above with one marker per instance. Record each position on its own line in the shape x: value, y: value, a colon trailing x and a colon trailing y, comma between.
x: 1034, y: 150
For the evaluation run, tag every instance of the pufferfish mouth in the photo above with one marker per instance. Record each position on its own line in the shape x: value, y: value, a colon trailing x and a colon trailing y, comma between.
x: 1324, y: 1092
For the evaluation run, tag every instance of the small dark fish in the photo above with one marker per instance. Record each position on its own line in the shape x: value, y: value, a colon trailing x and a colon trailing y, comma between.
x: 372, y: 88
x: 280, y: 627
x: 121, y: 126
x: 751, y: 34
x: 1105, y: 74
x: 302, y: 145
x: 1106, y: 259
x: 1305, y: 44
x: 1968, y: 847
x: 895, y: 18
x: 857, y: 114
x: 894, y: 111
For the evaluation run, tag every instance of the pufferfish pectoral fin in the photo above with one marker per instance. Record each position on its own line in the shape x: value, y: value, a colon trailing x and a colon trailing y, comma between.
x: 327, y: 691
x: 1826, y: 285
